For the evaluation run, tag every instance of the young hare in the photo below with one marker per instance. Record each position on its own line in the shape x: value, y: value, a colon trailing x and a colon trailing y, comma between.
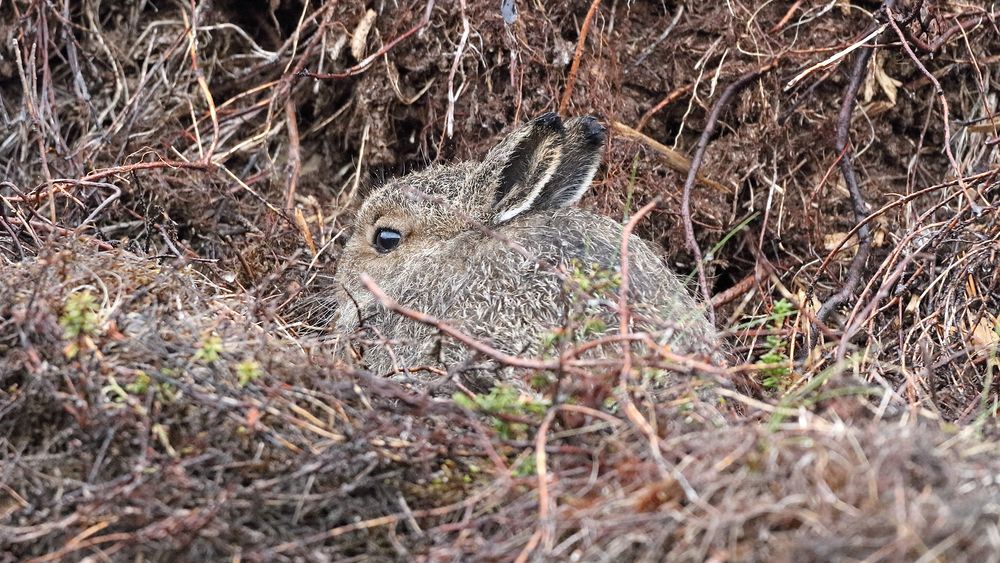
x: 498, y: 250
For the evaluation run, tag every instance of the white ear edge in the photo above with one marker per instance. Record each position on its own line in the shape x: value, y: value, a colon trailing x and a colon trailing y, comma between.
x: 585, y: 182
x: 528, y: 201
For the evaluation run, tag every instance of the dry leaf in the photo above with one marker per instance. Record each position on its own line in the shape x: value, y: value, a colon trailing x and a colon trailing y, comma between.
x: 888, y: 84
x: 359, y: 39
x: 300, y: 222
x: 986, y: 333
x: 988, y: 126
x: 833, y: 240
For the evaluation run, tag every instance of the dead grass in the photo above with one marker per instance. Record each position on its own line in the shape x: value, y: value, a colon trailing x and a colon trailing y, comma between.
x: 174, y: 193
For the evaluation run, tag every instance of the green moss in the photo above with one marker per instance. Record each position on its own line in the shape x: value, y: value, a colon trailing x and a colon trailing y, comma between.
x: 504, y: 402
x: 210, y: 349
x: 247, y: 372
x: 80, y: 319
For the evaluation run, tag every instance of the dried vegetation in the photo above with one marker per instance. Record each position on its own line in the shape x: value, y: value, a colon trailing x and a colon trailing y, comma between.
x: 176, y: 179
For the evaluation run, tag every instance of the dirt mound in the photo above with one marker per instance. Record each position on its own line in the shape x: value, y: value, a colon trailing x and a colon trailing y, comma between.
x: 145, y: 416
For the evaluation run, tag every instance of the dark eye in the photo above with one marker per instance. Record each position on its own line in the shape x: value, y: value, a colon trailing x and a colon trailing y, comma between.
x: 386, y: 240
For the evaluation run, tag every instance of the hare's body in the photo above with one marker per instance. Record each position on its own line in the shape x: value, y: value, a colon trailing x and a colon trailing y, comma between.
x: 494, y: 249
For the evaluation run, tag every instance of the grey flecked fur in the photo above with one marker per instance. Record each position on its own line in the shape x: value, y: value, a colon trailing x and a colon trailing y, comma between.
x: 496, y: 248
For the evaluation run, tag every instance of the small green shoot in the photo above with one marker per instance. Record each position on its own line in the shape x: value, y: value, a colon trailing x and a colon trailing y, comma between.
x: 594, y: 280
x: 527, y: 467
x: 775, y: 378
x: 711, y: 254
x: 504, y: 402
x: 140, y: 384
x: 782, y: 310
x: 542, y: 380
x: 210, y: 349
x: 80, y: 319
x: 247, y: 372
x: 739, y: 227
x: 594, y: 326
x: 777, y: 355
x: 165, y: 392
x: 551, y: 338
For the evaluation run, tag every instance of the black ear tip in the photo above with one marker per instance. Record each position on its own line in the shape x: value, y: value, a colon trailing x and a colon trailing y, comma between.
x: 550, y: 120
x: 593, y: 131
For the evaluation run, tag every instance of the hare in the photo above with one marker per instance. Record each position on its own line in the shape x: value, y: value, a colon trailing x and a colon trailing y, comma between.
x: 498, y: 250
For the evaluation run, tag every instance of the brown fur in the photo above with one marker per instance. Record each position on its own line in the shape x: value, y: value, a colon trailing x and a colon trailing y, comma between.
x: 496, y: 248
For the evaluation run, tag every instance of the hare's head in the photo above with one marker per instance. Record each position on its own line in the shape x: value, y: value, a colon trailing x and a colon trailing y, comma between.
x: 546, y: 164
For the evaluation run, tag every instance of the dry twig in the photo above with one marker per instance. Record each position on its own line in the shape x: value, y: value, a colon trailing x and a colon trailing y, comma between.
x: 575, y: 67
x: 699, y: 154
x: 843, y: 148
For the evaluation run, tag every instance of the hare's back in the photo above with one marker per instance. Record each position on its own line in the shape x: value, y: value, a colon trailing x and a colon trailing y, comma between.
x: 572, y: 237
x: 580, y: 243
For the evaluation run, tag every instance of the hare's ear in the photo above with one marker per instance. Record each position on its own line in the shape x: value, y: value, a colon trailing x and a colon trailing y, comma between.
x: 581, y: 157
x: 518, y: 169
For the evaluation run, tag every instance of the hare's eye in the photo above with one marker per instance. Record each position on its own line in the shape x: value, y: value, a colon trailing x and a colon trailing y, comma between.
x: 386, y: 240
